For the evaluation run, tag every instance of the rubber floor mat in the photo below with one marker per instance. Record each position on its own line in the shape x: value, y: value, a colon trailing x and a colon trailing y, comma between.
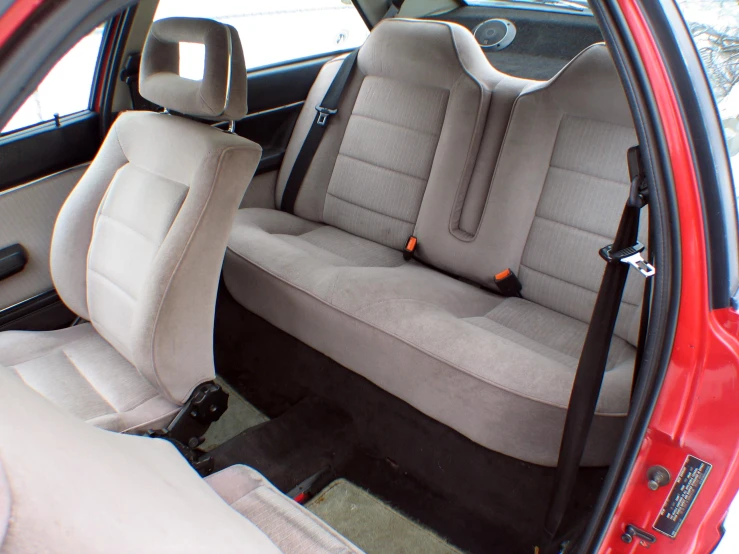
x: 371, y: 524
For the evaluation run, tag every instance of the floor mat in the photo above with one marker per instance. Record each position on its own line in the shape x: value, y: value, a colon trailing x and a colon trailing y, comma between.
x: 307, y: 439
x: 239, y: 416
x: 477, y: 499
x: 372, y: 525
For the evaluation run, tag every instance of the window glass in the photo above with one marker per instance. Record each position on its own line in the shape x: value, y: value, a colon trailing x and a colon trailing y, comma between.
x: 715, y: 28
x: 66, y: 88
x: 275, y: 31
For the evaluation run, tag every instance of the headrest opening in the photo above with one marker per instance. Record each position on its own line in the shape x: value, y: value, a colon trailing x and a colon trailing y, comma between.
x: 221, y: 93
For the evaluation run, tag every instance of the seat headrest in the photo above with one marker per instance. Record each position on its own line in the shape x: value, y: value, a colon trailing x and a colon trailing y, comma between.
x: 220, y: 95
x: 589, y: 86
x: 427, y: 52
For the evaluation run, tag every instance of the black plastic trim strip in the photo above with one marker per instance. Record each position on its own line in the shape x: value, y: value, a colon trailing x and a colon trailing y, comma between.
x: 16, y: 311
x: 665, y: 244
x: 46, y: 148
x: 110, y: 78
x: 281, y: 85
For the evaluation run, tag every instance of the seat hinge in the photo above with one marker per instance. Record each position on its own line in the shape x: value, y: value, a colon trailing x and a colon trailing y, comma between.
x: 206, y: 405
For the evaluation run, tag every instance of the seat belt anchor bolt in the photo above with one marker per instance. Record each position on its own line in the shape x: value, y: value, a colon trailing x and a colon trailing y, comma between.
x: 324, y: 114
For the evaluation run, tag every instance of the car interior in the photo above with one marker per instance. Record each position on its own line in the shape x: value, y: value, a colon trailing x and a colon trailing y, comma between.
x: 334, y: 304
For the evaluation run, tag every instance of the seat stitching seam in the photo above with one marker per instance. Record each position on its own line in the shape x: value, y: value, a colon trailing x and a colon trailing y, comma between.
x: 92, y: 386
x: 109, y: 280
x: 392, y: 124
x: 574, y: 285
x: 586, y: 174
x: 46, y: 353
x: 127, y: 226
x: 384, y: 168
x: 369, y: 209
x: 527, y: 338
x: 576, y: 228
x: 413, y: 344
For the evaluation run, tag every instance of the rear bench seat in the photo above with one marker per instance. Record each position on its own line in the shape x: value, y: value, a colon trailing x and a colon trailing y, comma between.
x: 489, y: 172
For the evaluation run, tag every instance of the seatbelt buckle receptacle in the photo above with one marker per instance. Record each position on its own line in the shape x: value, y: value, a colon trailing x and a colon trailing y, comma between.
x: 410, y: 248
x: 324, y: 114
x: 508, y: 284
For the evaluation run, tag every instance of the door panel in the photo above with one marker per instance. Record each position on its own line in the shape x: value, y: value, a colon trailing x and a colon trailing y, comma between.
x: 44, y: 150
x: 27, y: 216
x: 48, y: 148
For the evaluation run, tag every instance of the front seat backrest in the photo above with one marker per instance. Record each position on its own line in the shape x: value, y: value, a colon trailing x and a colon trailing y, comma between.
x: 138, y: 246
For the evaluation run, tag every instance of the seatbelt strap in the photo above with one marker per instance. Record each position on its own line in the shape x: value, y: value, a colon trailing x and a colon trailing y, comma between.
x: 328, y: 107
x: 393, y: 9
x: 646, y: 308
x: 625, y: 252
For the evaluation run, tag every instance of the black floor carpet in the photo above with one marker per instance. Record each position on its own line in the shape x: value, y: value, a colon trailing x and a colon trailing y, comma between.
x: 325, y: 415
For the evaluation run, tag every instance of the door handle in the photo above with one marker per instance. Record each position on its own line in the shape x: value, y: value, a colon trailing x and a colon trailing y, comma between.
x: 12, y: 260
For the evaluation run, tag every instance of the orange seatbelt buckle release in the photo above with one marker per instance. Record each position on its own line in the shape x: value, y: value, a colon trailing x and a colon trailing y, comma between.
x: 507, y: 283
x: 410, y: 248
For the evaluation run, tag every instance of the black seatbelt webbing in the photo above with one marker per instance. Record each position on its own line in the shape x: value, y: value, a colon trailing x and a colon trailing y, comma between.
x: 624, y: 253
x: 329, y: 106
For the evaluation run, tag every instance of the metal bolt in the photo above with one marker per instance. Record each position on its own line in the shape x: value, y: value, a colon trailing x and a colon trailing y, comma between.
x: 627, y: 538
x: 193, y: 442
x: 657, y: 477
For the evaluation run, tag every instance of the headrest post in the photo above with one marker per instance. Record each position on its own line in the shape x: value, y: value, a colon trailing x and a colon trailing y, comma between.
x: 232, y: 127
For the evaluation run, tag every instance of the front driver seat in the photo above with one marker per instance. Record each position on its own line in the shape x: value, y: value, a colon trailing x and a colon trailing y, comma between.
x: 138, y: 245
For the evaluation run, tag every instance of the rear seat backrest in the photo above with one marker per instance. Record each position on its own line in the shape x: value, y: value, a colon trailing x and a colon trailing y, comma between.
x: 412, y: 114
x: 556, y: 196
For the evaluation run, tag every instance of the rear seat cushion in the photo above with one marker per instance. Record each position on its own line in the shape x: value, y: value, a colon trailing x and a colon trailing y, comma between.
x: 290, y: 526
x: 417, y: 334
x: 498, y: 370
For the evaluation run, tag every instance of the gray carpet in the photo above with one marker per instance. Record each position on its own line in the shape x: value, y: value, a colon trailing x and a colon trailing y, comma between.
x: 372, y: 525
x: 240, y: 416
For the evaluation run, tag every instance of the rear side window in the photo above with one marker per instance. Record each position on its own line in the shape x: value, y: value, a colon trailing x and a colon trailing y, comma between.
x: 714, y: 25
x: 66, y: 89
x: 274, y: 31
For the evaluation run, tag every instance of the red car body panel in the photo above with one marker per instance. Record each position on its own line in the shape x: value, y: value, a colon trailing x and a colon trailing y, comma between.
x: 14, y: 16
x: 697, y: 412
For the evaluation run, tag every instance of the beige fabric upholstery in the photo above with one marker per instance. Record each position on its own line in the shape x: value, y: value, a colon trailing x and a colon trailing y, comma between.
x: 83, y: 374
x: 420, y: 93
x: 220, y: 95
x: 5, y: 504
x: 556, y: 196
x: 27, y: 215
x: 75, y: 488
x: 137, y: 250
x: 498, y: 370
x: 290, y: 526
x: 126, y: 494
x: 138, y: 244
